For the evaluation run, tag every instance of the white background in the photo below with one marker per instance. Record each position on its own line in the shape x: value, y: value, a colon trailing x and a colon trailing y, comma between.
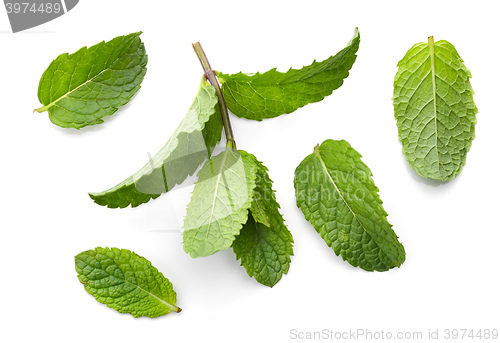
x: 450, y: 231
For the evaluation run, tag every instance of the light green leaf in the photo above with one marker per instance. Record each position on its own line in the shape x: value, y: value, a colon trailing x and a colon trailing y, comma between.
x: 219, y: 203
x: 434, y: 109
x: 336, y: 193
x: 268, y: 95
x: 126, y: 282
x: 81, y: 88
x: 264, y: 244
x: 190, y: 145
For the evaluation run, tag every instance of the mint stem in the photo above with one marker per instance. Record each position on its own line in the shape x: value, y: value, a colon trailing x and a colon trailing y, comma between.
x: 212, y: 78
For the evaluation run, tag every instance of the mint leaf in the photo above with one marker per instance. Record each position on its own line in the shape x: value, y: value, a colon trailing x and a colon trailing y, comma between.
x: 81, y: 88
x: 190, y: 145
x: 264, y: 244
x: 219, y: 203
x: 268, y: 95
x: 434, y: 109
x: 126, y: 282
x: 336, y: 193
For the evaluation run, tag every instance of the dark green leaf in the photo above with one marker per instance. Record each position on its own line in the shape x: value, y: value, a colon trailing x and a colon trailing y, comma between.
x: 258, y: 96
x: 80, y: 89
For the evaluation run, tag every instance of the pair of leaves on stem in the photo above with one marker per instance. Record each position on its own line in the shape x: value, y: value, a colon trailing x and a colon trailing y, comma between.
x: 336, y: 193
x: 434, y: 109
x: 199, y: 132
x: 80, y: 89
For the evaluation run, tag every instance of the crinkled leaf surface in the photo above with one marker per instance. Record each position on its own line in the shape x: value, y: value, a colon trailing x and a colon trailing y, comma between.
x: 258, y: 96
x: 79, y: 89
x: 126, y: 282
x: 219, y: 203
x: 264, y: 244
x: 336, y: 193
x: 434, y: 109
x: 190, y: 145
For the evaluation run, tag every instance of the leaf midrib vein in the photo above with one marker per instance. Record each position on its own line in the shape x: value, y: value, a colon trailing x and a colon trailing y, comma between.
x: 223, y: 163
x: 46, y: 107
x: 170, y: 306
x: 433, y: 71
x: 338, y: 191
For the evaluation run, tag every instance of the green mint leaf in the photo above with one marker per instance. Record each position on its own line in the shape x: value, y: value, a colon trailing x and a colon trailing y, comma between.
x: 190, y: 145
x: 268, y: 95
x: 126, y: 282
x: 219, y: 203
x: 434, y: 109
x: 264, y: 244
x: 79, y: 89
x: 336, y: 193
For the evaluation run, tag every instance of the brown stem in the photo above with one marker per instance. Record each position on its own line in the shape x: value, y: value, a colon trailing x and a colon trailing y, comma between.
x: 210, y: 75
